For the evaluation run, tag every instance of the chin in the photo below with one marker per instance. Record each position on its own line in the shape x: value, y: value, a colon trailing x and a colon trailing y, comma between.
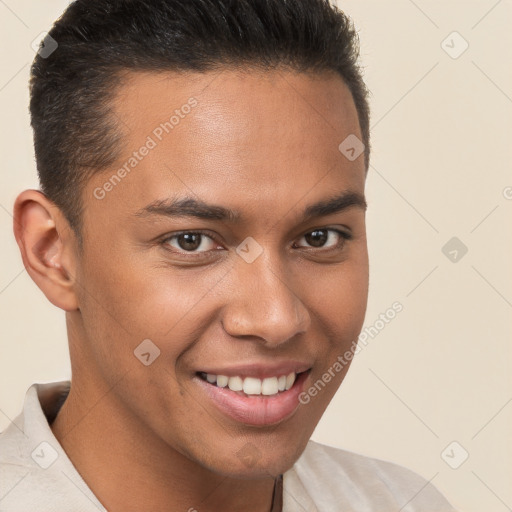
x: 261, y: 459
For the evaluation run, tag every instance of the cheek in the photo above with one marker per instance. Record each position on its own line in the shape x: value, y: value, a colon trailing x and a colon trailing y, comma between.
x: 339, y: 305
x: 338, y: 296
x: 123, y: 303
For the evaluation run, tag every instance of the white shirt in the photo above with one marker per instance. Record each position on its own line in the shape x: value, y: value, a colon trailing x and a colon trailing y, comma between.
x: 36, y: 474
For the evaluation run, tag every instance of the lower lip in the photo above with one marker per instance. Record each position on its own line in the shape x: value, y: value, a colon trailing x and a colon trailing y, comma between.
x: 257, y: 410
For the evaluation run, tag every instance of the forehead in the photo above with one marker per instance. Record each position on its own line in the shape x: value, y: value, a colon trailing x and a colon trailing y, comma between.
x: 250, y: 138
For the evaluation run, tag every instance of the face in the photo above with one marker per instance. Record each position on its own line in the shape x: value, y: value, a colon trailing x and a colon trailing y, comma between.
x: 230, y: 235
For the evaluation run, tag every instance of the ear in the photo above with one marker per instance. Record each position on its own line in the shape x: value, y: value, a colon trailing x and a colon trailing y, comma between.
x: 48, y: 247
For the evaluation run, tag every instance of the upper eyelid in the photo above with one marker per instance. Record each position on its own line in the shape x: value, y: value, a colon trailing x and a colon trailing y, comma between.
x: 343, y: 234
x: 168, y: 237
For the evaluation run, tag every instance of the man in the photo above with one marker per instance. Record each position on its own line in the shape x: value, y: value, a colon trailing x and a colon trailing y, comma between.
x: 201, y: 221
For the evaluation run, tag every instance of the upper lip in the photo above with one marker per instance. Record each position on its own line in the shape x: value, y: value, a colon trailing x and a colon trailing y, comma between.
x: 260, y: 370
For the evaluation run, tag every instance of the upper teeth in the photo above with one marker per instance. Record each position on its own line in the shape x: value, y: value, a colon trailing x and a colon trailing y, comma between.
x: 252, y: 385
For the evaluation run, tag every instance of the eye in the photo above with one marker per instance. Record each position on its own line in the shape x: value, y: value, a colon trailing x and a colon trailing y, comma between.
x: 326, y: 238
x: 191, y: 242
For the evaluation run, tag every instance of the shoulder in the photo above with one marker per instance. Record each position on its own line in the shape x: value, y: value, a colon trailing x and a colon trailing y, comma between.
x: 35, y: 472
x: 334, y: 478
x: 15, y: 465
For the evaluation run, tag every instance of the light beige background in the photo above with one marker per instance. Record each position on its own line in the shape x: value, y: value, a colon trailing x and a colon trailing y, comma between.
x: 441, y: 136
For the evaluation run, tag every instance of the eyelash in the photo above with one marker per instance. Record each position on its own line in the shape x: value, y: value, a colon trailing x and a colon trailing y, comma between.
x: 191, y: 254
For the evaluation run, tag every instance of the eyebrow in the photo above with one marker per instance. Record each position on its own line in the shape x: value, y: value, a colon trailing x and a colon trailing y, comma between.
x: 189, y: 207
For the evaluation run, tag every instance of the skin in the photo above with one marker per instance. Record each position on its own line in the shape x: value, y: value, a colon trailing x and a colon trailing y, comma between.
x: 263, y: 143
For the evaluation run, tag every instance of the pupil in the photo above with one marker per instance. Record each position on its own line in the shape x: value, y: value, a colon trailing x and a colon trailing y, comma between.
x: 189, y: 241
x: 316, y: 238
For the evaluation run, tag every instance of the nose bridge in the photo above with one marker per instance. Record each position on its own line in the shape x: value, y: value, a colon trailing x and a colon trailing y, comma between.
x: 264, y: 303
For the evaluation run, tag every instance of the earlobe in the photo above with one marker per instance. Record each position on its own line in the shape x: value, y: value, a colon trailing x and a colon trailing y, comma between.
x: 45, y: 241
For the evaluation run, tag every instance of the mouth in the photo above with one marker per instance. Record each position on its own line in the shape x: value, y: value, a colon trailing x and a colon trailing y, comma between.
x: 252, y: 400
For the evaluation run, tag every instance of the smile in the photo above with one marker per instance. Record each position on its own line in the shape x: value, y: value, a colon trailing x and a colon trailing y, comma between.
x: 252, y: 400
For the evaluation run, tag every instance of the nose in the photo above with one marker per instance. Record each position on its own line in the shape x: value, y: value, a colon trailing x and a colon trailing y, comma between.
x: 264, y: 304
